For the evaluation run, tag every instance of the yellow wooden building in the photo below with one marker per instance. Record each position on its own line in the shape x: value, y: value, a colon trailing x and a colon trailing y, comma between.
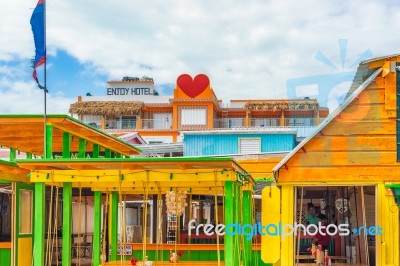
x: 348, y: 169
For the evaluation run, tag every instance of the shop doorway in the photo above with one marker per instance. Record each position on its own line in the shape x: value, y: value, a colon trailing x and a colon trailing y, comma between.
x: 339, y: 207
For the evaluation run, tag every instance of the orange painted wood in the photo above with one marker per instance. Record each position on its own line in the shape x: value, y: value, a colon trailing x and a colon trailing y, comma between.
x: 166, y: 263
x: 5, y: 244
x: 363, y: 174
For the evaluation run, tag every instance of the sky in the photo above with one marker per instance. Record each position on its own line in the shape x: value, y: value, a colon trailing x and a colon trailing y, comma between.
x: 256, y: 49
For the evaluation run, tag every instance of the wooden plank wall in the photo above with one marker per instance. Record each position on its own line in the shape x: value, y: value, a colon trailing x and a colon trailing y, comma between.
x: 358, y: 145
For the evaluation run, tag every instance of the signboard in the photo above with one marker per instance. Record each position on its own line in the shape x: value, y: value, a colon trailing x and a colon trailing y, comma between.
x: 130, y: 91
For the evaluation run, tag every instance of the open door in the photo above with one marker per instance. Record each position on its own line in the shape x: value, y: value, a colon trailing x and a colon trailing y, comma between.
x: 23, y: 227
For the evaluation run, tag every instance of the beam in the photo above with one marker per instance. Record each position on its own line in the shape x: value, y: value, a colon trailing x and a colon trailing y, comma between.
x: 163, y: 175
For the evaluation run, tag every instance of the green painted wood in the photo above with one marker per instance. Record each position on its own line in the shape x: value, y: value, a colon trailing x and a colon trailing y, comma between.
x: 238, y: 212
x: 96, y: 150
x: 67, y: 224
x: 247, y: 219
x: 49, y: 142
x: 82, y: 148
x: 66, y: 148
x: 229, y: 219
x: 29, y: 156
x: 13, y: 154
x: 107, y: 153
x: 114, y: 226
x: 97, y: 228
x: 39, y: 222
x: 117, y: 155
x: 5, y: 256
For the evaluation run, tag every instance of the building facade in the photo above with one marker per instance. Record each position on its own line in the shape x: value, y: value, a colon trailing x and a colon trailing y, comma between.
x: 133, y: 105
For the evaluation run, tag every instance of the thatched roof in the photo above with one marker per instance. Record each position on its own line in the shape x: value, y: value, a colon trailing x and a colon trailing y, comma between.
x: 282, y: 105
x: 107, y: 108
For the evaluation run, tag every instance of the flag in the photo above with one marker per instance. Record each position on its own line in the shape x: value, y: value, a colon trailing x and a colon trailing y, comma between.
x: 38, y: 29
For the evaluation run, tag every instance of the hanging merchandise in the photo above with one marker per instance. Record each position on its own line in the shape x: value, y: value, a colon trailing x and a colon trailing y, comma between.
x: 176, y: 202
x: 342, y: 205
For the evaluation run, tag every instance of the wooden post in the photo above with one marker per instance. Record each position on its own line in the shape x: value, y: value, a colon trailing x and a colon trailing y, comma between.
x: 67, y: 224
x: 114, y: 226
x: 362, y: 238
x: 67, y: 207
x: 82, y: 148
x: 66, y: 148
x: 13, y: 154
x: 229, y: 219
x: 247, y: 219
x: 96, y: 150
x: 49, y: 142
x: 38, y: 233
x: 97, y: 228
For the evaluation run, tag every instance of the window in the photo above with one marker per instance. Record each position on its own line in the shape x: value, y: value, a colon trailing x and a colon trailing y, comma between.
x: 193, y: 117
x: 25, y: 211
x: 249, y: 145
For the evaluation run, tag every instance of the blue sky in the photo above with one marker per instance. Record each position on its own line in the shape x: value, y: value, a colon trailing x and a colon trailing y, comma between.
x: 249, y: 51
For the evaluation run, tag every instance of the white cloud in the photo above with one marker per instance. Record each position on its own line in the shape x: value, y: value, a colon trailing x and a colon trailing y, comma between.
x: 249, y: 49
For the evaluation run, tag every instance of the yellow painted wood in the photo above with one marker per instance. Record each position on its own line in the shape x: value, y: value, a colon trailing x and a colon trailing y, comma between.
x: 388, y: 219
x: 325, y: 175
x: 188, y: 175
x: 390, y: 91
x: 365, y: 126
x: 24, y: 251
x: 352, y: 143
x: 287, y: 217
x: 344, y: 158
x: 271, y: 214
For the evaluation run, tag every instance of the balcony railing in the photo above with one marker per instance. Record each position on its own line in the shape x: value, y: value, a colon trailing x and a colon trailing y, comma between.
x: 264, y: 122
x: 229, y: 123
x: 156, y: 123
x: 121, y: 124
x: 301, y: 122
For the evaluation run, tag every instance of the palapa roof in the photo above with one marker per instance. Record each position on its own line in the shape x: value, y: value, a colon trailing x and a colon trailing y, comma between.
x: 275, y: 105
x: 106, y: 108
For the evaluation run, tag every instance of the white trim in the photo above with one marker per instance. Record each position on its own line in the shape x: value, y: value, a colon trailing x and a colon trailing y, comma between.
x: 283, y: 130
x: 327, y: 120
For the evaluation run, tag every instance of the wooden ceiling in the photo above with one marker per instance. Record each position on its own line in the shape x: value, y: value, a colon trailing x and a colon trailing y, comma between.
x: 26, y: 133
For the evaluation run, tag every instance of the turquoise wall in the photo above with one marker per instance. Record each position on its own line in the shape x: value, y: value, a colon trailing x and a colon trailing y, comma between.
x: 220, y: 144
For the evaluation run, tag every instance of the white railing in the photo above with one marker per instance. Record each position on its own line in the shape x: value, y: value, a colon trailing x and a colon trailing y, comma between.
x: 301, y: 122
x: 156, y: 123
x: 264, y: 122
x: 229, y: 123
x: 121, y: 124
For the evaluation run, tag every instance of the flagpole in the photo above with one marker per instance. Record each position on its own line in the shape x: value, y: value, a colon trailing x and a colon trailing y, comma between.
x: 45, y: 86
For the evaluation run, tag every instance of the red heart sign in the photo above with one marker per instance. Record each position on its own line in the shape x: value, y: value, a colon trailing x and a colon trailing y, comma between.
x: 193, y: 88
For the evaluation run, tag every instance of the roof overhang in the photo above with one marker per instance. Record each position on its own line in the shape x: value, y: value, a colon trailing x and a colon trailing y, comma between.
x: 142, y: 175
x: 26, y: 133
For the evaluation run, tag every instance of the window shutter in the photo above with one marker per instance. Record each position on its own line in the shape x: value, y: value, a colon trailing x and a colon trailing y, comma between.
x: 249, y: 145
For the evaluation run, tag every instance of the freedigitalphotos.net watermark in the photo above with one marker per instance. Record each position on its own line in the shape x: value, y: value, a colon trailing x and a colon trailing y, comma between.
x: 279, y: 229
